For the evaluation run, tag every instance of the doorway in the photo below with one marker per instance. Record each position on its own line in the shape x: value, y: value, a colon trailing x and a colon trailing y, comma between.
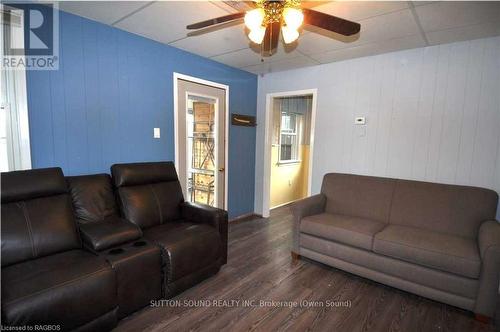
x: 288, y: 153
x: 200, y: 114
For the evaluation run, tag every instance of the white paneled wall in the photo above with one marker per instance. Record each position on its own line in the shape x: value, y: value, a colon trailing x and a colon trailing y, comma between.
x: 432, y: 114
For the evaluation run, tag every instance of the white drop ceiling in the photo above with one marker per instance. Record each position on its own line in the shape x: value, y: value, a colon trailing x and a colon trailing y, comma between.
x: 386, y: 26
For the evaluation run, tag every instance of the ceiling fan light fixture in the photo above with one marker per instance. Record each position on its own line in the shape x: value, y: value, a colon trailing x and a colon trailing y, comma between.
x: 254, y: 18
x: 289, y: 35
x: 257, y: 35
x: 293, y: 17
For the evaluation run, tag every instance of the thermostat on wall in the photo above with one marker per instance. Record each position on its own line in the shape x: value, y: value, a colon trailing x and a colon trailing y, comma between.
x: 360, y: 120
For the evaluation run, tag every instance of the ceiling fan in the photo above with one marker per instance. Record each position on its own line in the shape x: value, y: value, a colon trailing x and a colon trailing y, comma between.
x: 269, y: 18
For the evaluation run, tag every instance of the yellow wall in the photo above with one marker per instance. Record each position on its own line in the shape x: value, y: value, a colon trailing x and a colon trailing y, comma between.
x: 288, y: 181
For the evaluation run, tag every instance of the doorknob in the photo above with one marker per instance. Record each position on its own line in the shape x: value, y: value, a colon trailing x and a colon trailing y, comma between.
x: 221, y: 169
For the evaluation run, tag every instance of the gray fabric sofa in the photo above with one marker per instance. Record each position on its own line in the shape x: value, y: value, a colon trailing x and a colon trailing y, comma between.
x: 438, y: 241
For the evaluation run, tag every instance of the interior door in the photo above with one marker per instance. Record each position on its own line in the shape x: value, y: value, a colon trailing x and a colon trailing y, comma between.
x: 201, y: 142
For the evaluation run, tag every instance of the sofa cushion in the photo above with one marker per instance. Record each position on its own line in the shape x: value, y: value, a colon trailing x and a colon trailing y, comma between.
x: 357, y: 232
x: 449, y: 209
x: 33, y: 183
x: 149, y: 193
x: 358, y: 196
x: 36, y: 214
x: 93, y: 198
x: 134, y: 174
x: 188, y: 247
x: 37, y: 227
x: 440, y: 251
x: 392, y: 267
x: 67, y: 289
x: 151, y: 204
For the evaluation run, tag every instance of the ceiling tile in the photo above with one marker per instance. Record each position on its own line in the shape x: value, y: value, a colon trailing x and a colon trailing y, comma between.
x: 386, y: 46
x: 166, y: 21
x: 359, y: 10
x: 216, y: 42
x: 252, y: 56
x: 106, y: 12
x: 445, y: 15
x: 384, y: 27
x: 464, y: 33
x: 269, y: 67
x: 241, y: 58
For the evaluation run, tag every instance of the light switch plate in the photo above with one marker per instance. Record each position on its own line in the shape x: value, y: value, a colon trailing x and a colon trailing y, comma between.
x: 156, y: 132
x: 360, y: 120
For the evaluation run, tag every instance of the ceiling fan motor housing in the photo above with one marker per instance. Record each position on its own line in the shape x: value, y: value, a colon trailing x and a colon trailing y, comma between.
x: 274, y: 9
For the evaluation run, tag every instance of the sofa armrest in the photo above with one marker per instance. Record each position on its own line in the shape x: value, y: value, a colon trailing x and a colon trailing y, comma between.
x: 489, y: 238
x: 303, y: 208
x: 489, y: 249
x: 201, y: 213
x: 108, y: 233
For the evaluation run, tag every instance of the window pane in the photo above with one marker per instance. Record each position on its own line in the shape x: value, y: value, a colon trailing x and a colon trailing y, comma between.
x: 288, y: 147
x: 288, y: 122
x: 200, y: 146
x: 289, y: 136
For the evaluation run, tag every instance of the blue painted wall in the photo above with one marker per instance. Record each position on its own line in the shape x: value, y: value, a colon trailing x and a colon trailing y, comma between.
x: 111, y: 89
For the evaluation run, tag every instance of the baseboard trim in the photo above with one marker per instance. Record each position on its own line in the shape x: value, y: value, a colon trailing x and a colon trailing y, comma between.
x: 245, y: 216
x: 287, y: 203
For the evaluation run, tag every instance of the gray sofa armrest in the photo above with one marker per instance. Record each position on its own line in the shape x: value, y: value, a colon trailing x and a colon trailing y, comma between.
x: 305, y: 207
x: 489, y: 249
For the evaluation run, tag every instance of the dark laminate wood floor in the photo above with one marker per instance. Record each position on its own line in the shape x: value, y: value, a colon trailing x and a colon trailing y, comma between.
x: 260, y: 268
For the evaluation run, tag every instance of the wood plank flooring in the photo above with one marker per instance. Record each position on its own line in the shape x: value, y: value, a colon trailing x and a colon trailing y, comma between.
x: 260, y: 268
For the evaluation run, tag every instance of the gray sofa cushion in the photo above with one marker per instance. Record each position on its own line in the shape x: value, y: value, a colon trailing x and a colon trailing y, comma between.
x: 450, y: 209
x: 357, y: 232
x: 358, y: 196
x: 445, y: 252
x: 418, y: 274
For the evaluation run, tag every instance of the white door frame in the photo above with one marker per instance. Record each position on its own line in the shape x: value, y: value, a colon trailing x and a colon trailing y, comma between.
x: 266, y: 188
x: 193, y: 79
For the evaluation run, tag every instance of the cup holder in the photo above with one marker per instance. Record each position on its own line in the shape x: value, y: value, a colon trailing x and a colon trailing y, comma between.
x: 116, y: 251
x: 140, y: 243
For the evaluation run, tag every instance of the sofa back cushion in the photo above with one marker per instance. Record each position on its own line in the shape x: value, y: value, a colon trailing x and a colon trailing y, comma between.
x: 149, y: 193
x: 37, y: 216
x: 358, y: 196
x: 93, y: 198
x: 449, y: 209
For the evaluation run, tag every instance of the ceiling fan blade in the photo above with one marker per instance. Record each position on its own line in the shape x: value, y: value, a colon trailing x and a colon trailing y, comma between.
x: 214, y: 28
x: 331, y: 23
x: 271, y: 38
x: 214, y: 21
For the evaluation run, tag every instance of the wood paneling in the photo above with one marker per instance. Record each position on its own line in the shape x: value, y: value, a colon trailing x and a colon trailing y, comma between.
x: 112, y: 88
x: 433, y: 114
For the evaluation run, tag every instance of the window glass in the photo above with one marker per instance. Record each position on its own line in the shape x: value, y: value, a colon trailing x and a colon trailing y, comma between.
x: 289, y: 147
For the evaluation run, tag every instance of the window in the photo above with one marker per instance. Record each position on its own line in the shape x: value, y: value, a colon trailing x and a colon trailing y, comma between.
x: 14, y: 127
x: 289, y: 137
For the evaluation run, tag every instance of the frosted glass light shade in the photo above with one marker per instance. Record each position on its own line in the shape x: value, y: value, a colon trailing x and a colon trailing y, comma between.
x: 254, y: 18
x: 293, y: 18
x: 289, y: 35
x: 257, y: 35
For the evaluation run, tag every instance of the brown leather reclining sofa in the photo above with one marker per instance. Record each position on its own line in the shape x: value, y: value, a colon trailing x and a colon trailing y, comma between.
x: 435, y: 240
x: 82, y: 252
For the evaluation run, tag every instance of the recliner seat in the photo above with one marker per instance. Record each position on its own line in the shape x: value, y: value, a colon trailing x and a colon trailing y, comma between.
x: 193, y: 237
x: 47, y: 278
x: 119, y: 241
